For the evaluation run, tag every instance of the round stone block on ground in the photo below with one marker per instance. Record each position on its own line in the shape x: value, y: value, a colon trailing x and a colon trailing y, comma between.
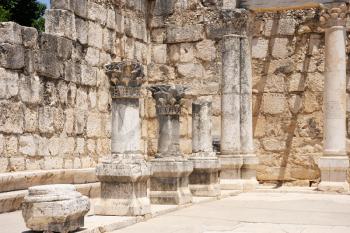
x: 54, y: 208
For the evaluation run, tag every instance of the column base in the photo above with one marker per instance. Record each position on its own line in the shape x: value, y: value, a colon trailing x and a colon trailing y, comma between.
x: 169, y: 182
x: 230, y: 175
x: 204, y: 180
x: 248, y: 172
x: 123, y: 188
x: 334, y: 174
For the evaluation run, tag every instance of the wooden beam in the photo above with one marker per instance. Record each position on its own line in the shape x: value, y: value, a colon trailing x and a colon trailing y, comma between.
x: 278, y: 5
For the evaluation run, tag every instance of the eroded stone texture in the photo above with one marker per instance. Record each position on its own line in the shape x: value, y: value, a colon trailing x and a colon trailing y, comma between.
x: 124, y: 174
x: 54, y: 208
x: 204, y: 180
x: 169, y: 182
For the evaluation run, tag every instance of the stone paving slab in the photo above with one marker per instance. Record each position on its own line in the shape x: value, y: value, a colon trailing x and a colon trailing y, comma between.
x: 257, y: 213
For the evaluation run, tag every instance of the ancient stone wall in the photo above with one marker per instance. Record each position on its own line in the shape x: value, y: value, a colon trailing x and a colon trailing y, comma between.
x: 54, y: 94
x: 288, y: 61
x: 55, y: 100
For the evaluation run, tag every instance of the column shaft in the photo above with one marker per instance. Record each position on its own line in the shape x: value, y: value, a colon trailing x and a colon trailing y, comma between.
x: 335, y: 92
x: 169, y: 135
x: 126, y: 126
x: 201, y: 127
x: 230, y: 96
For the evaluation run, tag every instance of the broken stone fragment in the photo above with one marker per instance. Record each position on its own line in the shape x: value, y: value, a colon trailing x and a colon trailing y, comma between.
x: 54, y: 208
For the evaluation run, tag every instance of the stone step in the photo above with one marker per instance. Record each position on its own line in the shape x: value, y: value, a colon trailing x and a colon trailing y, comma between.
x: 13, y: 181
x: 11, y: 201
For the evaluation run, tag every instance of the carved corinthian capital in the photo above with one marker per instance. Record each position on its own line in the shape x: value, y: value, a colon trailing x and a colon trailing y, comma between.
x: 125, y: 79
x: 333, y: 15
x: 168, y: 98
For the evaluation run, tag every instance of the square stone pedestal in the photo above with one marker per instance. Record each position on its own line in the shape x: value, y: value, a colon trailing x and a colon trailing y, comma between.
x: 123, y: 188
x: 169, y: 182
x: 230, y: 175
x: 334, y: 174
x: 248, y: 172
x: 204, y: 180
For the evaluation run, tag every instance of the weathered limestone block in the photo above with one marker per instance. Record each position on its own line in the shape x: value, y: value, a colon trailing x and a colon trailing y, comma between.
x: 11, y: 117
x: 95, y: 35
x: 163, y: 7
x: 123, y: 186
x: 186, y: 33
x: 62, y: 4
x: 159, y: 53
x: 281, y: 48
x: 8, y: 84
x: 47, y: 64
x: 135, y: 29
x: 191, y: 70
x: 285, y: 27
x: 97, y: 12
x: 125, y: 173
x: 54, y: 208
x: 10, y: 33
x: 204, y: 180
x: 29, y: 37
x: 11, y: 56
x: 206, y: 50
x: 60, y: 23
x: 169, y: 182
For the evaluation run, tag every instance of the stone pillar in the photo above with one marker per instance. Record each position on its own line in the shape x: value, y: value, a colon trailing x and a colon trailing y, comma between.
x: 204, y: 180
x: 124, y: 174
x: 335, y: 162
x: 238, y: 161
x: 169, y: 182
x: 230, y: 157
x: 250, y: 160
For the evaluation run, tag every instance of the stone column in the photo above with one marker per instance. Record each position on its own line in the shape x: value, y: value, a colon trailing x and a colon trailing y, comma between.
x: 237, y: 157
x: 230, y: 157
x: 169, y: 182
x: 124, y: 174
x: 250, y: 160
x: 204, y: 180
x: 335, y: 162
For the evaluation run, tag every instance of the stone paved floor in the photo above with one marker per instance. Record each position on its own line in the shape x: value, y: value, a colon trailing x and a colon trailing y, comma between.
x: 257, y: 213
x: 246, y: 213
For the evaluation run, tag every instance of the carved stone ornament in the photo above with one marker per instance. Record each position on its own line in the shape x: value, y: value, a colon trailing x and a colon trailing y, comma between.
x: 125, y: 78
x: 333, y: 15
x: 168, y: 98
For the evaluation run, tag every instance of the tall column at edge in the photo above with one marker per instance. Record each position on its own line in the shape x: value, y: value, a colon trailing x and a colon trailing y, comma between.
x: 334, y: 163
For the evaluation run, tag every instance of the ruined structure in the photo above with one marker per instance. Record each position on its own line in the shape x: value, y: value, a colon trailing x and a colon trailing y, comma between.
x: 124, y: 174
x: 204, y: 180
x: 269, y: 69
x: 54, y: 208
x: 169, y: 182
